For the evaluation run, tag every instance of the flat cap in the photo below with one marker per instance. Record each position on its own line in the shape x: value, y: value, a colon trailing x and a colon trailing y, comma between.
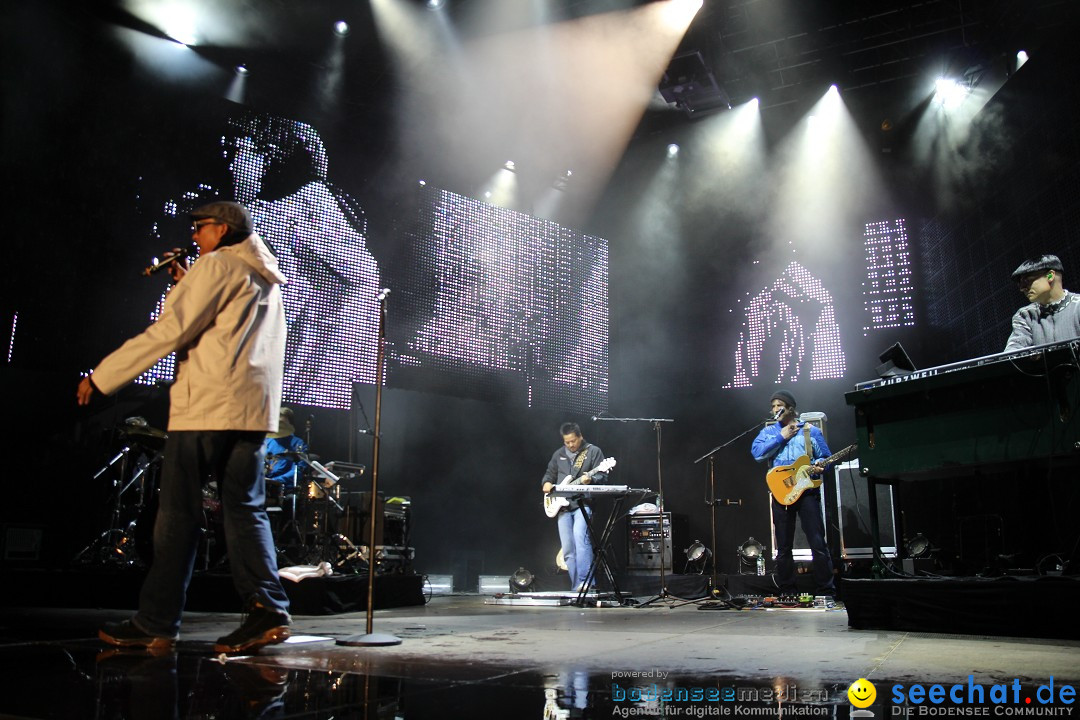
x: 1039, y: 264
x: 231, y: 213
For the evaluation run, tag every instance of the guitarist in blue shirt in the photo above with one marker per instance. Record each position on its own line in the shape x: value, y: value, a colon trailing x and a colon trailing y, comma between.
x: 576, y: 459
x: 783, y: 443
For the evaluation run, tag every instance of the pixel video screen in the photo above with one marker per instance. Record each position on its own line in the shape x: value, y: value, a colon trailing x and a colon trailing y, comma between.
x: 485, y: 302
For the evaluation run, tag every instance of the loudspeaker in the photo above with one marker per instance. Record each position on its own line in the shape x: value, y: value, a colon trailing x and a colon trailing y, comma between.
x: 355, y: 524
x: 853, y: 514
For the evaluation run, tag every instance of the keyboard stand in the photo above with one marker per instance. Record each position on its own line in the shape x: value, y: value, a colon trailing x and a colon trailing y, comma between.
x: 600, y: 554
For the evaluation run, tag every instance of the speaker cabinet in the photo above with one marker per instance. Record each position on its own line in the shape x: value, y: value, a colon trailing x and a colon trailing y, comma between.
x: 853, y: 514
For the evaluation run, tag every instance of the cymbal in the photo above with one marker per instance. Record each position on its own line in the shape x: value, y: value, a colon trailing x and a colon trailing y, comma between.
x: 146, y: 432
x: 147, y: 436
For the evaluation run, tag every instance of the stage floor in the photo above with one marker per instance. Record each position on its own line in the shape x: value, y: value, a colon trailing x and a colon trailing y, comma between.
x: 461, y: 657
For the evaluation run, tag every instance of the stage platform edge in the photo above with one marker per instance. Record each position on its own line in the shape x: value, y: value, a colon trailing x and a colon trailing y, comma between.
x: 208, y: 592
x: 1011, y: 606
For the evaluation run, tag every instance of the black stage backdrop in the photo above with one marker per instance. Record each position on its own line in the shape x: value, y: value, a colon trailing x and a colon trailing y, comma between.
x: 94, y: 148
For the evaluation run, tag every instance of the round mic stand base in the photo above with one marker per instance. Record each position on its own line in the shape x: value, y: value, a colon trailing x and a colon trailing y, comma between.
x: 370, y: 640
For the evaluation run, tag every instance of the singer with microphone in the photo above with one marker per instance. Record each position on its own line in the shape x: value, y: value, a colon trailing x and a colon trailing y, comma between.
x: 174, y: 260
x: 226, y: 323
x: 782, y: 441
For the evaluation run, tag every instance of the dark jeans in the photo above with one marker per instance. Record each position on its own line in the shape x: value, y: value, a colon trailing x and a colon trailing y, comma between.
x: 235, y: 459
x: 808, y: 510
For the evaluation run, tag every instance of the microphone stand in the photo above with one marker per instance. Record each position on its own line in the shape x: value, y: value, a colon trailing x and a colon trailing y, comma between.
x: 657, y: 424
x: 712, y: 502
x: 373, y: 639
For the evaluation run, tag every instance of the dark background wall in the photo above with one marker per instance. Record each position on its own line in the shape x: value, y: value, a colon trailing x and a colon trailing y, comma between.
x: 89, y: 135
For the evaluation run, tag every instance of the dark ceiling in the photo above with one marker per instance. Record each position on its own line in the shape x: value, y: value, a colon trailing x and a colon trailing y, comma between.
x: 883, y: 55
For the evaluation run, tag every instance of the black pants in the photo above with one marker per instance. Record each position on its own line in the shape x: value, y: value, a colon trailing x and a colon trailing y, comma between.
x: 807, y: 509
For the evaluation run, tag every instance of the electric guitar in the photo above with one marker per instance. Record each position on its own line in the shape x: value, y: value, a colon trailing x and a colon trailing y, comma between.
x: 553, y: 503
x: 788, y: 482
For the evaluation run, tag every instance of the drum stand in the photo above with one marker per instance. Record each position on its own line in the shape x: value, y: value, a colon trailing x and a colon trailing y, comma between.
x: 344, y: 551
x: 289, y: 538
x: 116, y: 545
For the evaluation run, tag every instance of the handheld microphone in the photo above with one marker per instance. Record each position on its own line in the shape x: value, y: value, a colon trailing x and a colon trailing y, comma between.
x: 159, y: 265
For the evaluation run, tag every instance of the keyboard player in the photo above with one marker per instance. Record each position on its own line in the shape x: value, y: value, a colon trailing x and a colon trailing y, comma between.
x: 577, y: 459
x: 1052, y: 313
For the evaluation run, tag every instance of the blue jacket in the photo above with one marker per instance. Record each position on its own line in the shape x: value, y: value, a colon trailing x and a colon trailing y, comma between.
x: 771, y: 445
x: 281, y: 468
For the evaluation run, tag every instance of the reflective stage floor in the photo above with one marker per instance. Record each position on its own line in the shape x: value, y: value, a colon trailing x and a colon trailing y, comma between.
x: 461, y: 657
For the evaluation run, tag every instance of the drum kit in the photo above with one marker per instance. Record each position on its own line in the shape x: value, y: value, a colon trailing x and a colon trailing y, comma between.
x: 132, y: 473
x: 310, y: 518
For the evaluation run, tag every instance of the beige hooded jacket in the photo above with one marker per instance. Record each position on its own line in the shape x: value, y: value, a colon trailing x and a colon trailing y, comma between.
x: 226, y: 323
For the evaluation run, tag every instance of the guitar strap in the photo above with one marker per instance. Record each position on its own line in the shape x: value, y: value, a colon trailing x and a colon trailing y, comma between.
x: 578, y: 462
x: 580, y: 459
x: 809, y: 444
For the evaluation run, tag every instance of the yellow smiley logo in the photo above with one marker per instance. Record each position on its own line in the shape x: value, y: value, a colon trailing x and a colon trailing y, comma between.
x: 862, y: 693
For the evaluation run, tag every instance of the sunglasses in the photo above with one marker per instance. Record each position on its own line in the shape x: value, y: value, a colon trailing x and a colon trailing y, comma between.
x: 196, y: 227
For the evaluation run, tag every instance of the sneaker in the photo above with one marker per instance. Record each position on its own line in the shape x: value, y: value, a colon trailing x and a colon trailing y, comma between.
x: 126, y: 634
x: 260, y: 627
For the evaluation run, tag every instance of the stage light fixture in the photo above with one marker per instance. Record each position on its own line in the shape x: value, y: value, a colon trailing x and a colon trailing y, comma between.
x: 509, y: 165
x: 435, y: 4
x: 894, y: 362
x: 751, y: 550
x: 672, y: 150
x: 751, y: 557
x: 179, y: 24
x: 563, y: 181
x: 522, y: 580
x: 242, y: 70
x: 690, y: 85
x: 341, y: 28
x: 696, y: 556
x: 918, y: 546
x: 950, y: 93
x: 696, y: 551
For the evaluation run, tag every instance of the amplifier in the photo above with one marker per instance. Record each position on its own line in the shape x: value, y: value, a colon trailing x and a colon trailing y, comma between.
x: 355, y: 524
x: 644, y: 542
